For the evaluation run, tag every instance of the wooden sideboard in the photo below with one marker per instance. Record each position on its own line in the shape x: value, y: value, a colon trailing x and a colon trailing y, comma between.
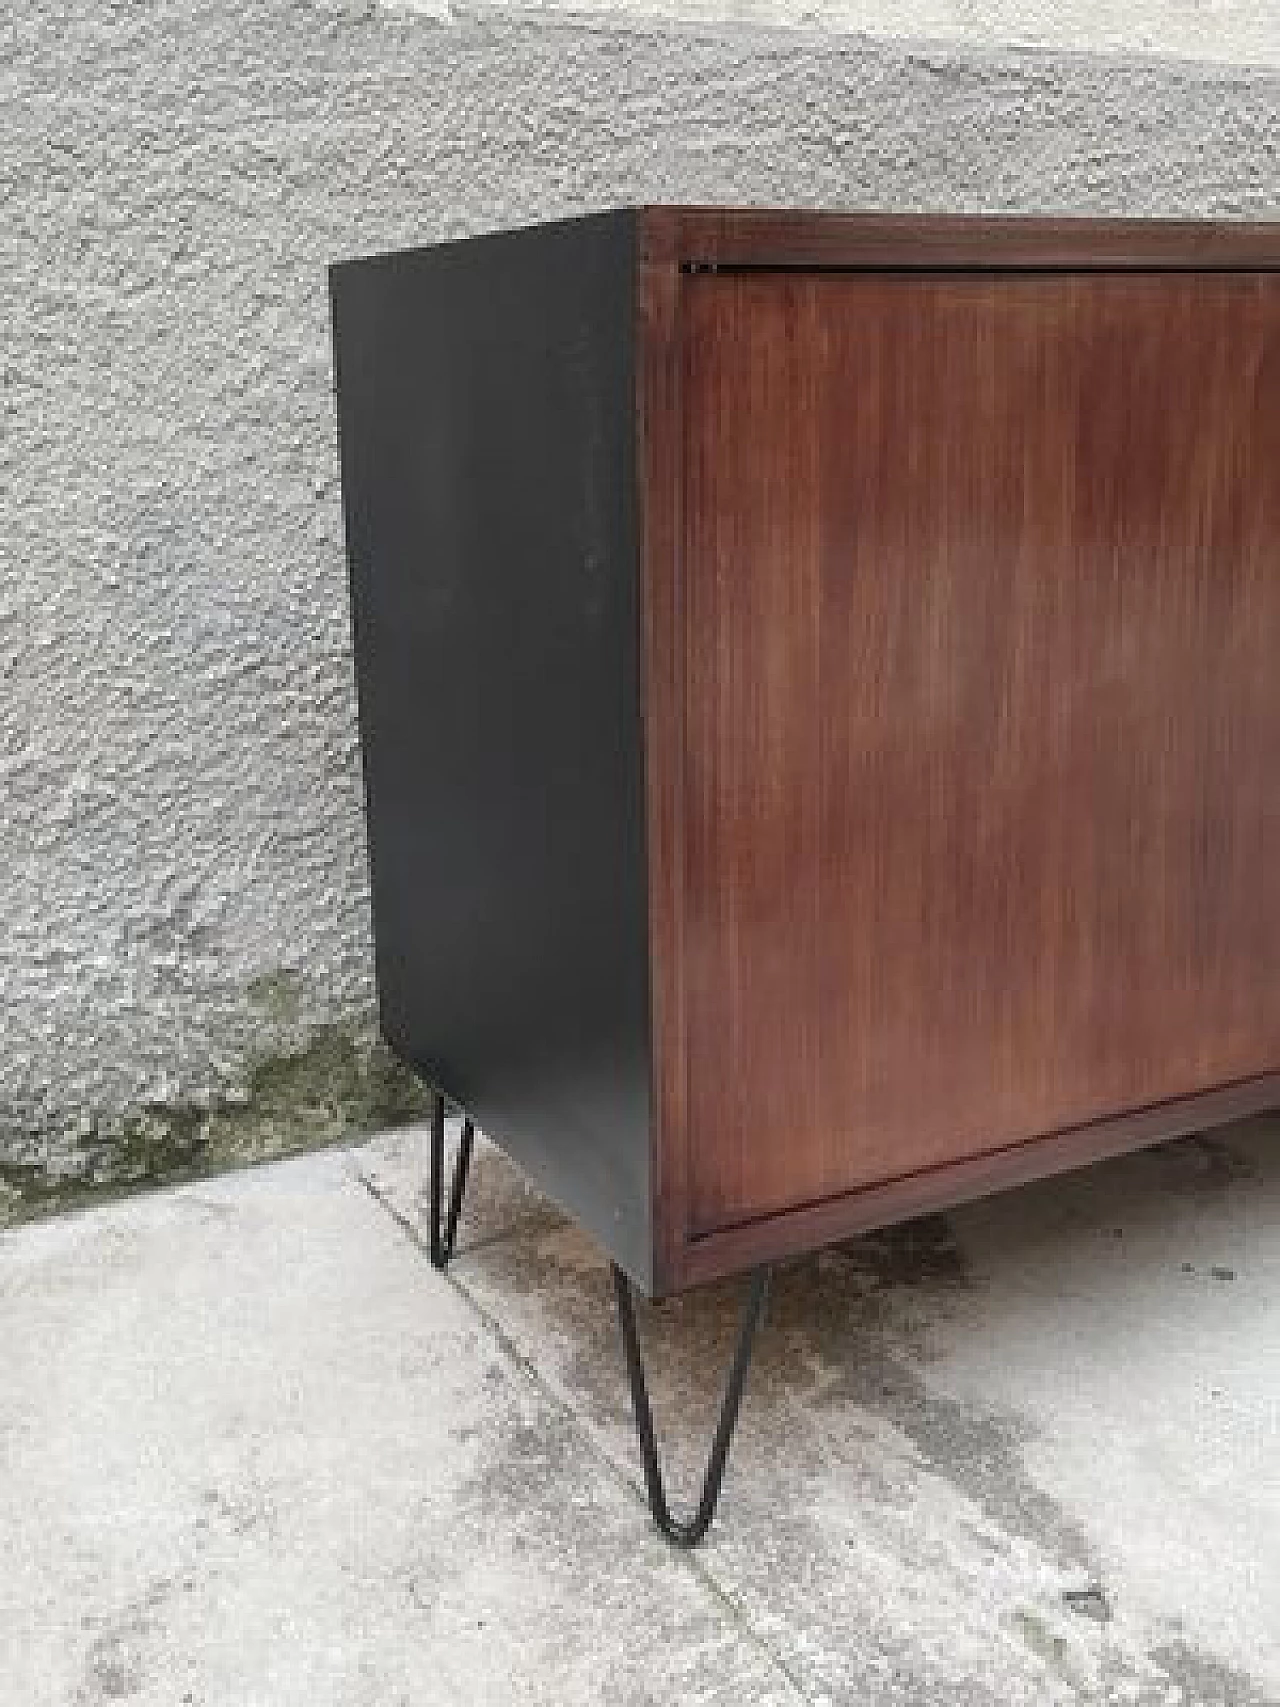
x: 819, y: 684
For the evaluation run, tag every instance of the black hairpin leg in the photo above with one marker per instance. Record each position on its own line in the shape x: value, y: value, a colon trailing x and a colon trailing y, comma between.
x: 444, y: 1233
x: 681, y: 1532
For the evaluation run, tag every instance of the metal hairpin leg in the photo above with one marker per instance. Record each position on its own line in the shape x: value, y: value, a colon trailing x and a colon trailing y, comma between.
x: 681, y: 1532
x: 443, y: 1235
x: 687, y: 1532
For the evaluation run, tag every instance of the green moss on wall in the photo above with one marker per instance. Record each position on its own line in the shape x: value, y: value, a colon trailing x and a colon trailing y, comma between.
x: 333, y: 1085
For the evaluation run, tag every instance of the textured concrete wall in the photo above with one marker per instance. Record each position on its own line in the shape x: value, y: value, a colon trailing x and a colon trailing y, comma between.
x: 184, y: 956
x: 1239, y: 32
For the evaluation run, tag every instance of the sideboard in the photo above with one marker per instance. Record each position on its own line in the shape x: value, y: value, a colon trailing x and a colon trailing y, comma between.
x: 819, y: 689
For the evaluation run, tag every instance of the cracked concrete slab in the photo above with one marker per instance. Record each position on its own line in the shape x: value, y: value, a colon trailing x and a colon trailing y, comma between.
x: 1029, y: 1452
x: 254, y: 1450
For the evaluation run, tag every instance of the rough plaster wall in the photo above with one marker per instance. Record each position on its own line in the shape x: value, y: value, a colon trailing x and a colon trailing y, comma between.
x: 182, y: 885
x: 1239, y: 32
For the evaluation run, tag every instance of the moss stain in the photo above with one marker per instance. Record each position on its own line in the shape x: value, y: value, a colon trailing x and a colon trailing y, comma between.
x: 328, y: 1085
x: 1048, y: 1646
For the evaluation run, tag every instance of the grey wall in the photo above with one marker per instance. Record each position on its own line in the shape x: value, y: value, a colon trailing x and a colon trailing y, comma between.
x: 1239, y: 32
x: 184, y: 953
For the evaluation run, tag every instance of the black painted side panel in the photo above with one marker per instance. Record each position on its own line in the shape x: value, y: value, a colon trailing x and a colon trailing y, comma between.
x: 486, y: 420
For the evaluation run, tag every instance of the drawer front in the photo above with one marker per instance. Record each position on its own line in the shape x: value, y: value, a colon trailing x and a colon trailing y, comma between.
x: 980, y: 834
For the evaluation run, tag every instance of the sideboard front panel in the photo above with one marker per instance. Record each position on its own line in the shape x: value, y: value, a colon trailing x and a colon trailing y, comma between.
x: 980, y: 588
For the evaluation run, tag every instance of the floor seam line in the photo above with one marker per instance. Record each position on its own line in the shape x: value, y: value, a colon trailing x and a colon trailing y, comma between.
x: 730, y: 1607
x: 482, y: 1242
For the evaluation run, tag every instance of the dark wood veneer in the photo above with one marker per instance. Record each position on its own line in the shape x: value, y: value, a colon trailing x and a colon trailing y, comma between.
x: 940, y: 580
x: 768, y: 239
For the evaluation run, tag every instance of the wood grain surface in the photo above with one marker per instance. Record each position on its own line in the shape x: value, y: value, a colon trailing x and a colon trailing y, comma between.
x: 772, y: 238
x: 979, y: 672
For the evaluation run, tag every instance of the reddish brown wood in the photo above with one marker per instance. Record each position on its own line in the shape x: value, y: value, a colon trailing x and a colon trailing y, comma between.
x: 805, y: 238
x: 658, y: 418
x: 811, y: 1226
x: 962, y: 724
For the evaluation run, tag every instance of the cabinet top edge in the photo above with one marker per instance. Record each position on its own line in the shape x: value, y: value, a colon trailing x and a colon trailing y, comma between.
x: 781, y: 238
x: 761, y: 238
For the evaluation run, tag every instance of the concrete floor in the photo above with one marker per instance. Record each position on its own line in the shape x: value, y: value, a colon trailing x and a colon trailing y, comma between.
x: 254, y: 1450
